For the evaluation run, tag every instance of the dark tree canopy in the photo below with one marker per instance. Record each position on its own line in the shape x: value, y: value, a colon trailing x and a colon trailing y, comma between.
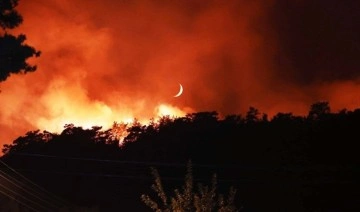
x: 286, y: 163
x: 319, y: 109
x: 13, y: 55
x: 13, y: 51
x: 9, y: 17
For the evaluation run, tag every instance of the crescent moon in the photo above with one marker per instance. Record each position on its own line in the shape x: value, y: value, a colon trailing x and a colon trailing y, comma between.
x: 180, y: 91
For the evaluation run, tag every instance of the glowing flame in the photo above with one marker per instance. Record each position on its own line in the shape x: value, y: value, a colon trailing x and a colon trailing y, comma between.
x: 68, y: 103
x: 168, y: 110
x: 86, y: 113
x: 117, y: 66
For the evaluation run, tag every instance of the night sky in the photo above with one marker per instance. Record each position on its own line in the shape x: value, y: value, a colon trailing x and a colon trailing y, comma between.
x: 109, y: 60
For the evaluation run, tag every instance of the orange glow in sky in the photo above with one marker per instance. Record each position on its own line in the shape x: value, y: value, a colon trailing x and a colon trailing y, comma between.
x: 106, y: 61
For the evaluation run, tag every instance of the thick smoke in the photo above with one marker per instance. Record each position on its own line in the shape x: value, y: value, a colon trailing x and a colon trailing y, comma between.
x: 317, y: 40
x: 106, y: 61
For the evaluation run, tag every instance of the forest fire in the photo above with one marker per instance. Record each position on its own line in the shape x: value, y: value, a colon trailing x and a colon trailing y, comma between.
x: 97, y: 96
x: 118, y: 60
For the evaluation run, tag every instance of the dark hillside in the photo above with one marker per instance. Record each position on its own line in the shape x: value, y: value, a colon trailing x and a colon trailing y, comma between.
x: 288, y: 163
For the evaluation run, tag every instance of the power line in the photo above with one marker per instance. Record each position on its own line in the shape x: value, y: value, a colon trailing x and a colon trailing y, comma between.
x: 63, y: 202
x: 142, y: 162
x: 17, y: 200
x: 40, y: 194
x: 103, y: 160
x: 242, y: 180
x: 21, y: 196
x: 217, y: 166
x: 117, y: 176
x: 23, y: 187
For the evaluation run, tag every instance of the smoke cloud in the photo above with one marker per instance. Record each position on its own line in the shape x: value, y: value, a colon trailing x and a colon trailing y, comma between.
x: 106, y: 61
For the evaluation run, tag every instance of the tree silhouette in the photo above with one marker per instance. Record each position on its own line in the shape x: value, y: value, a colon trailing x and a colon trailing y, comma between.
x: 318, y: 110
x: 9, y: 17
x: 287, y: 163
x: 252, y: 115
x: 13, y: 51
x: 188, y: 199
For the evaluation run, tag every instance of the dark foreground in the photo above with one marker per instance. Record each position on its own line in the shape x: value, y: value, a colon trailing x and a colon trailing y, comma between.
x: 288, y: 163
